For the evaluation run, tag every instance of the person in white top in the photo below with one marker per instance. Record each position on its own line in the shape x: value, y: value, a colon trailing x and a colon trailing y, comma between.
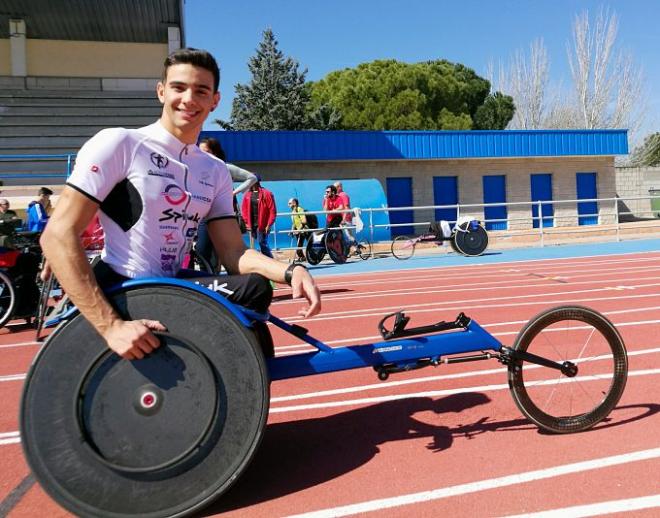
x: 152, y: 186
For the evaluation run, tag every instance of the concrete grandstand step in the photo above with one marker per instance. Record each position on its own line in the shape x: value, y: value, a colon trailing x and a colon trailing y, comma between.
x: 58, y: 110
x: 40, y: 145
x: 77, y: 94
x: 120, y: 119
x: 63, y: 130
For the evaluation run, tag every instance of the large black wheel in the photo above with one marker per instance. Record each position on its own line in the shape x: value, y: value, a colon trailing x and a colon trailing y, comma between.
x: 470, y: 239
x: 562, y: 403
x: 161, y: 436
x: 315, y: 249
x: 7, y: 298
x: 336, y: 245
x: 403, y: 247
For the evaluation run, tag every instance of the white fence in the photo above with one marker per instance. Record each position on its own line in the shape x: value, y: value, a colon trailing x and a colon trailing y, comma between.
x: 612, y: 217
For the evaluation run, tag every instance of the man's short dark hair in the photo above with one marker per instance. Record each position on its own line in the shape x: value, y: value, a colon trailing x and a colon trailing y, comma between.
x: 332, y: 188
x: 197, y: 57
x: 45, y: 191
x: 215, y: 147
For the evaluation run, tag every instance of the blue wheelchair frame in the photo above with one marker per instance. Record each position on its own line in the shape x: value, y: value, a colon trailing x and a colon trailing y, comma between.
x: 385, y: 357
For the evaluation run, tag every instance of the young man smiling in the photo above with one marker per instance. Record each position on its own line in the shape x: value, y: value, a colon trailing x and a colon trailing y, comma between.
x: 153, y: 185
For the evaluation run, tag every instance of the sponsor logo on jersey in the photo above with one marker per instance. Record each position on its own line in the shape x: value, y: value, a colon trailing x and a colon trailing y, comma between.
x: 171, y: 214
x: 170, y: 238
x: 162, y: 174
x: 167, y: 262
x: 204, y: 180
x: 159, y: 160
x: 174, y: 194
x: 199, y: 197
x: 94, y: 169
x: 169, y: 249
x: 168, y: 227
x: 191, y: 232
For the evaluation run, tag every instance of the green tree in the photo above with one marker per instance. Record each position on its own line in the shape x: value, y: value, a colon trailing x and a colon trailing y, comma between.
x: 276, y: 97
x: 648, y: 154
x: 495, y: 113
x: 391, y: 95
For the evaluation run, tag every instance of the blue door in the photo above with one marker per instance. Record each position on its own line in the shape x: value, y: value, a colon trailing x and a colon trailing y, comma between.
x: 399, y: 194
x: 445, y: 192
x: 541, y: 186
x: 587, y: 189
x: 495, y: 192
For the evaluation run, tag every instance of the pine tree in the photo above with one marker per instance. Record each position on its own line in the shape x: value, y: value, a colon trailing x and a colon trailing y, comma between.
x: 275, y: 98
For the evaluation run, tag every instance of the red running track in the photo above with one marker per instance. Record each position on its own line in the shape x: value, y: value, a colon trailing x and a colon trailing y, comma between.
x: 445, y: 441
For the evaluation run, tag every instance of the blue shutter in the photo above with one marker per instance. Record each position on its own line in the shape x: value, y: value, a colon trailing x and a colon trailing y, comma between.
x: 541, y: 186
x: 587, y: 189
x: 399, y: 194
x: 495, y: 192
x: 445, y: 192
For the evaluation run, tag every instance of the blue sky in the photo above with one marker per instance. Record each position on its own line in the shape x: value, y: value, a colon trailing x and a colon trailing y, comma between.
x: 326, y: 35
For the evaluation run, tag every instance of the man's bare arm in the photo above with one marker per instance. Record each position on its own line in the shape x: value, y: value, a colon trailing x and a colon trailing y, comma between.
x: 236, y: 258
x: 63, y: 250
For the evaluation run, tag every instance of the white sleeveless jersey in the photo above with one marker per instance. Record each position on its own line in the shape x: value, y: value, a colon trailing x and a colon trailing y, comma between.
x: 153, y: 190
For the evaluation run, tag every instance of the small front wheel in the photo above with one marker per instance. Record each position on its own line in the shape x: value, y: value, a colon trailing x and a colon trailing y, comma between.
x: 403, y: 247
x: 364, y: 249
x: 581, y: 396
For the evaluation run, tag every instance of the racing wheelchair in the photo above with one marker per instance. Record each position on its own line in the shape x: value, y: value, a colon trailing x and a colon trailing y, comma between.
x: 468, y: 238
x: 166, y: 435
x: 339, y: 248
x: 20, y: 263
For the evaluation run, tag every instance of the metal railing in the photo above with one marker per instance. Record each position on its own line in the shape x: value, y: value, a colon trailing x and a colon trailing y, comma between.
x: 68, y: 159
x: 520, y: 221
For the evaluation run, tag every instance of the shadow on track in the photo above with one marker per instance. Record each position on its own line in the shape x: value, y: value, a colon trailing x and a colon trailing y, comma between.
x: 297, y: 455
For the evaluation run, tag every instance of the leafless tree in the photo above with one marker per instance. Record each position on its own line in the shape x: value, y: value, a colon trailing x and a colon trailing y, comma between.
x: 526, y: 81
x: 607, y: 84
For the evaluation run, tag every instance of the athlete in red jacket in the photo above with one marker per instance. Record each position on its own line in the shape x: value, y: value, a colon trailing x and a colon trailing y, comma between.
x: 259, y: 212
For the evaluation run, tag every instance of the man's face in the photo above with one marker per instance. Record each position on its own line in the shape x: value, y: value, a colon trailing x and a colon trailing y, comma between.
x: 329, y: 193
x: 188, y: 98
x: 4, y: 207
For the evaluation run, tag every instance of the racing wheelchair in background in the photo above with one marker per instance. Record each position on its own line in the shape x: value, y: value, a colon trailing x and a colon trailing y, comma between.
x: 168, y: 434
x: 468, y: 238
x: 20, y: 263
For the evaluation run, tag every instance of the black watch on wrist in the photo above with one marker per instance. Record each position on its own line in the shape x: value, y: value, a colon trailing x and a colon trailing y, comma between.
x: 288, y: 274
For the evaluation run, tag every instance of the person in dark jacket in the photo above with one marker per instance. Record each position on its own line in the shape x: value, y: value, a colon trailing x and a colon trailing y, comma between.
x: 37, y: 217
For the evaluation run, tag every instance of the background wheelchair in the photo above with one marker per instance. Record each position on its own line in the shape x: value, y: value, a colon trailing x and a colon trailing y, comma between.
x: 166, y: 435
x: 335, y: 243
x: 468, y: 238
x: 20, y: 263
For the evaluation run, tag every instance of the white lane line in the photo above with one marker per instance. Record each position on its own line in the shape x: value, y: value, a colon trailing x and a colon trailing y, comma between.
x: 598, y: 509
x: 9, y: 438
x: 20, y: 344
x: 357, y: 340
x: 12, y: 377
x: 567, y: 298
x: 483, y: 485
x: 426, y: 379
x: 440, y: 393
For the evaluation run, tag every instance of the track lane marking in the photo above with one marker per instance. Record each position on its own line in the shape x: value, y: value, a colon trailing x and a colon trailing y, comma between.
x: 483, y: 485
x: 441, y: 393
x: 426, y: 379
x: 598, y: 509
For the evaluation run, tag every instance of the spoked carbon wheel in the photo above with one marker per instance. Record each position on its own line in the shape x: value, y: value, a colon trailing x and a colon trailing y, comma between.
x: 315, y: 249
x: 470, y: 241
x: 7, y: 298
x: 576, y: 401
x: 157, y: 437
x: 336, y: 245
x: 403, y: 247
x: 364, y: 249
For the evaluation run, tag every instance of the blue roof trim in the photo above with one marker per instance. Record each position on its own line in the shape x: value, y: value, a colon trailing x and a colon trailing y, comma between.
x: 273, y: 146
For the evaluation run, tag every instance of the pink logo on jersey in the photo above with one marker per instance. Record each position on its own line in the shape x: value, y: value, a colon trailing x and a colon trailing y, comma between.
x: 94, y: 169
x: 174, y: 194
x: 170, y: 239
